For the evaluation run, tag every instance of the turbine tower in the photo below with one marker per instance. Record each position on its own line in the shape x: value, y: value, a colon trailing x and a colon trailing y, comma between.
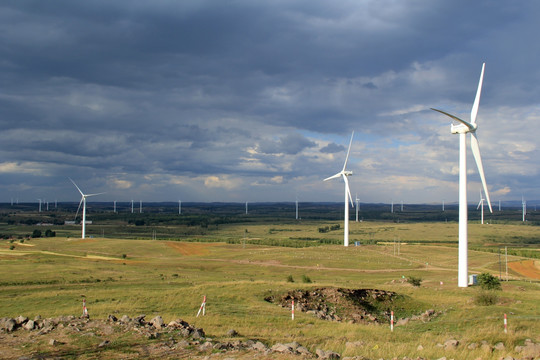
x: 83, y: 202
x: 343, y: 174
x: 296, y: 208
x: 481, y: 206
x: 39, y: 204
x: 462, y: 129
x: 523, y: 208
x: 179, y: 206
x: 357, y: 206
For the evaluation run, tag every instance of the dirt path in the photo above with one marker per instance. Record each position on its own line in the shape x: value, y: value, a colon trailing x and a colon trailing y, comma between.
x: 187, y: 248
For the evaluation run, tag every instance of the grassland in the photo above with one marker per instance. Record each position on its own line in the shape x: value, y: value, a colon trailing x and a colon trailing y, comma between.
x: 49, y: 276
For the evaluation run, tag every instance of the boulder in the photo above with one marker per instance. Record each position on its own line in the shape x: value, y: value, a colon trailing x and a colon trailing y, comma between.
x: 282, y: 348
x: 472, y: 346
x: 232, y: 333
x: 327, y: 354
x: 207, y: 346
x: 451, y: 344
x: 259, y: 346
x: 8, y: 324
x: 21, y: 320
x: 29, y: 325
x: 104, y: 343
x: 499, y: 346
x: 157, y: 322
x: 125, y: 319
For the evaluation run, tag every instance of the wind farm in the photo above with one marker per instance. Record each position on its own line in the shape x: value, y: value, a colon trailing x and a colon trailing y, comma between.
x: 202, y: 158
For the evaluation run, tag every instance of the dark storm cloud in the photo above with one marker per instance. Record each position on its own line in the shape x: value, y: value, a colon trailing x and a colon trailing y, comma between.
x: 193, y: 87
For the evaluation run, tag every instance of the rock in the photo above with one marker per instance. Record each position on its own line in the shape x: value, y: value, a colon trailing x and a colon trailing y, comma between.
x: 499, y: 346
x: 157, y: 322
x: 323, y: 354
x: 8, y: 324
x: 451, y: 344
x: 53, y: 342
x: 472, y: 346
x: 232, y: 333
x: 104, y: 343
x: 112, y: 318
x: 140, y: 320
x: 485, y: 346
x: 29, y: 325
x: 302, y: 350
x: 259, y: 346
x: 354, y: 344
x: 281, y: 348
x: 21, y: 320
x: 197, y: 334
x: 207, y: 346
x: 402, y: 322
x: 419, y: 348
x: 125, y: 319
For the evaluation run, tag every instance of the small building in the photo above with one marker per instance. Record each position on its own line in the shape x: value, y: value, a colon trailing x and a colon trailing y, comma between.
x: 473, y: 279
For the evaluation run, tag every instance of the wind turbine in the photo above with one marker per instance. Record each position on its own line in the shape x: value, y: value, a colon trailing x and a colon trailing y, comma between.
x: 481, y: 204
x: 179, y: 206
x: 462, y: 129
x: 39, y: 204
x: 83, y: 202
x: 344, y: 173
x: 297, y: 208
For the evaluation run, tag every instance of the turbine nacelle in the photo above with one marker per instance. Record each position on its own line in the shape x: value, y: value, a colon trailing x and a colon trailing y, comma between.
x: 462, y: 128
x: 347, y: 173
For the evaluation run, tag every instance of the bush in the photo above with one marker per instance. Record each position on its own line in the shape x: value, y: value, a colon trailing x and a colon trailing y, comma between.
x: 124, y: 256
x: 306, y: 279
x: 489, y: 282
x: 36, y: 233
x: 12, y: 247
x: 486, y: 298
x: 290, y: 278
x: 414, y: 281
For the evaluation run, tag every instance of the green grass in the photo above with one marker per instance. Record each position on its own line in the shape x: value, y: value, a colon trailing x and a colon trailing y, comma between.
x: 49, y: 276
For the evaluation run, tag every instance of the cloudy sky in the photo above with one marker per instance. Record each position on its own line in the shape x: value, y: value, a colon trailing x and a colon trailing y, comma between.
x: 256, y: 100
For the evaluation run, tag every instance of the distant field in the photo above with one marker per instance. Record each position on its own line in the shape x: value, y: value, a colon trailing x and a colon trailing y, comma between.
x: 49, y: 276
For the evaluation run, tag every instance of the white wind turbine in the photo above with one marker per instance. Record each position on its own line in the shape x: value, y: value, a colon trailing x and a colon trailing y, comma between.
x: 481, y: 207
x: 523, y: 208
x: 462, y: 129
x: 344, y: 173
x: 83, y: 202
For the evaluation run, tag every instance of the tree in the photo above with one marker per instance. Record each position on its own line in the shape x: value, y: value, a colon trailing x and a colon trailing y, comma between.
x: 489, y: 282
x: 36, y: 233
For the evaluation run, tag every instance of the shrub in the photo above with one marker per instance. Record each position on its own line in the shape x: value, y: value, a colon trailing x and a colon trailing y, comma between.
x: 486, y: 298
x: 36, y: 233
x: 290, y: 278
x: 124, y: 256
x: 12, y: 247
x: 414, y: 281
x: 489, y: 282
x: 306, y: 279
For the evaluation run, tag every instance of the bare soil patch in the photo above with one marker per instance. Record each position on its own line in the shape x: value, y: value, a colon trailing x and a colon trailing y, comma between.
x: 528, y: 268
x: 189, y: 249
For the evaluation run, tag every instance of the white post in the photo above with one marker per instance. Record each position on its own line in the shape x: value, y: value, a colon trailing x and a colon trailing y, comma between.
x: 292, y: 310
x: 392, y: 321
x: 203, y: 307
x: 506, y: 260
x: 505, y: 325
x: 296, y: 209
x: 463, y: 242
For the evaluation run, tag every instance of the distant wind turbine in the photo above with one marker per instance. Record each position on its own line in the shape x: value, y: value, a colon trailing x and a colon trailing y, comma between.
x: 83, y: 202
x: 462, y: 129
x: 481, y: 207
x: 39, y: 204
x: 297, y: 208
x: 179, y: 206
x: 344, y: 173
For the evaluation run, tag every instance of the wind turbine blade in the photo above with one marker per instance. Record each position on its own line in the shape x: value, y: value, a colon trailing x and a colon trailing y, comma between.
x: 333, y: 176
x: 467, y: 124
x: 101, y: 193
x: 348, y: 188
x: 479, y: 203
x: 79, y: 208
x: 348, y: 152
x: 76, y: 186
x: 474, y: 110
x: 476, y: 153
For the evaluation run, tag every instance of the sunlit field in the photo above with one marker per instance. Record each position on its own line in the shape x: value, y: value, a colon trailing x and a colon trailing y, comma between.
x: 49, y: 277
